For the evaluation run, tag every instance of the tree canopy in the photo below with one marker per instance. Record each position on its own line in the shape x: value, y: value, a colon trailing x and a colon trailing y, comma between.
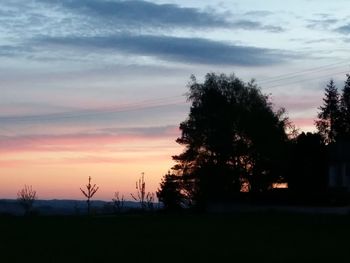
x: 232, y: 137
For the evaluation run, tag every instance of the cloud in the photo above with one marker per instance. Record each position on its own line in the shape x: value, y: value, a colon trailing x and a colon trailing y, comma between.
x: 177, y: 49
x: 318, y: 40
x: 328, y: 22
x: 141, y: 112
x: 254, y: 25
x: 14, y: 50
x: 132, y: 13
x: 122, y: 139
x: 142, y: 14
x: 323, y: 24
x: 304, y: 122
x: 345, y: 29
x: 168, y: 130
x: 28, y: 109
x: 322, y: 15
x: 258, y: 13
x: 145, y: 156
x: 120, y: 22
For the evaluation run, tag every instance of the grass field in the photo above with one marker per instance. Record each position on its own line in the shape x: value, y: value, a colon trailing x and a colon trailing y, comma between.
x: 176, y: 238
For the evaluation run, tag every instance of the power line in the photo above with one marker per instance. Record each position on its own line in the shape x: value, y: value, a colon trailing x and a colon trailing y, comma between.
x: 300, y: 75
x: 308, y: 79
x: 302, y: 72
x: 127, y: 107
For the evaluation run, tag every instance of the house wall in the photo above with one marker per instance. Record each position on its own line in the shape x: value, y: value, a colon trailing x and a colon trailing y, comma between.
x: 339, y: 175
x: 346, y: 175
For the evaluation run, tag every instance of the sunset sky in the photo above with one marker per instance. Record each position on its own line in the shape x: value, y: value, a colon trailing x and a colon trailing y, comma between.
x: 96, y: 87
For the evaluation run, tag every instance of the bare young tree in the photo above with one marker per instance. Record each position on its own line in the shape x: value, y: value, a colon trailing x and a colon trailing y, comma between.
x: 26, y: 197
x: 89, y: 193
x: 118, y: 202
x: 146, y: 199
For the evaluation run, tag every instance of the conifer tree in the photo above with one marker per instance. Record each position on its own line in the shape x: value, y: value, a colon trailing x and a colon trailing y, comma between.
x: 345, y: 109
x: 329, y: 117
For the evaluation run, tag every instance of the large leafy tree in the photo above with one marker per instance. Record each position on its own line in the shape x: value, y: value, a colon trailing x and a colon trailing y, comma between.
x: 232, y: 136
x: 329, y: 117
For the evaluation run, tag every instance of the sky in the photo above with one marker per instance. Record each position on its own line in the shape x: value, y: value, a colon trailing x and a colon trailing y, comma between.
x: 97, y: 87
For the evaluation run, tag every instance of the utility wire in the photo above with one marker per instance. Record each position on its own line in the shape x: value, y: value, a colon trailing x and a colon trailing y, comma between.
x: 130, y: 107
x: 302, y: 72
x: 307, y: 79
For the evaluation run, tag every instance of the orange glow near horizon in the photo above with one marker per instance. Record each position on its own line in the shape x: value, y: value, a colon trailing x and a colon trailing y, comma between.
x: 57, y: 167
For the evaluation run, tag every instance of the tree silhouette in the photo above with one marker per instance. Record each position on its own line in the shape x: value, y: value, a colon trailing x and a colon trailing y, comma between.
x: 329, y: 117
x: 89, y: 193
x: 170, y: 192
x: 26, y: 197
x: 309, y: 166
x: 232, y: 135
x: 345, y: 110
x: 146, y: 199
x: 118, y: 202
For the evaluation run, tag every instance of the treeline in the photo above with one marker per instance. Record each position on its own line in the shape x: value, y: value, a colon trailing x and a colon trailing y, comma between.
x: 235, y: 141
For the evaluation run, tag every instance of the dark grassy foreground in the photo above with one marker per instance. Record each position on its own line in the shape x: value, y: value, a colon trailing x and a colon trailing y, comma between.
x: 176, y: 238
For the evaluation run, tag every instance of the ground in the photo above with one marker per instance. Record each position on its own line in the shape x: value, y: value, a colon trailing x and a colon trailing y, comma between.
x: 249, y: 237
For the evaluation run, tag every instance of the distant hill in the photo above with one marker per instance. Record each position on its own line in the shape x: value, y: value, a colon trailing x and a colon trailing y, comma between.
x: 62, y: 207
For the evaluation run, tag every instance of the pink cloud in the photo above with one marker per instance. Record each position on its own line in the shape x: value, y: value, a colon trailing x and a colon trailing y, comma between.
x: 304, y: 124
x: 100, y: 141
x: 88, y: 159
x: 94, y: 159
x: 304, y: 121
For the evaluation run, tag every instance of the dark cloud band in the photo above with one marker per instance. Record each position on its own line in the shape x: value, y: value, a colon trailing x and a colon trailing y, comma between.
x: 186, y: 50
x: 141, y: 12
x: 147, y: 14
x: 344, y: 29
